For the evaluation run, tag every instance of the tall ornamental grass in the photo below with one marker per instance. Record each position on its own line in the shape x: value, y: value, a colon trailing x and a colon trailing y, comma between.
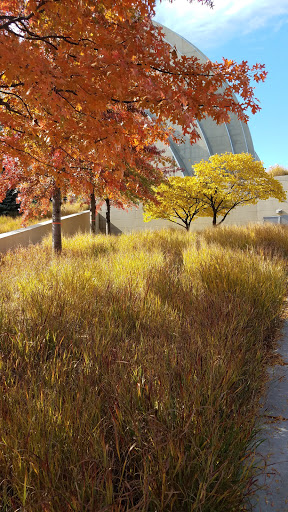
x: 270, y: 240
x: 130, y: 372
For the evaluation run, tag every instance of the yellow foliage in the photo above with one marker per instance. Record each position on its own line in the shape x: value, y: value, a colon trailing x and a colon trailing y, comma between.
x: 177, y: 200
x: 229, y: 180
x: 218, y: 186
x: 277, y: 170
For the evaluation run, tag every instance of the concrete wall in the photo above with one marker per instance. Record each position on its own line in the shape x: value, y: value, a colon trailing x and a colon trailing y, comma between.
x: 34, y: 234
x: 125, y: 221
x: 269, y: 207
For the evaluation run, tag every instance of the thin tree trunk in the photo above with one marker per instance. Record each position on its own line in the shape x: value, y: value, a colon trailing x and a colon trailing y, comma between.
x: 108, y: 223
x: 92, y: 213
x: 56, y: 221
x: 214, y: 219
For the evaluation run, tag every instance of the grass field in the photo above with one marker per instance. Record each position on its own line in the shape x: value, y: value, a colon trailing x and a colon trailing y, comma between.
x: 131, y: 369
x: 8, y: 223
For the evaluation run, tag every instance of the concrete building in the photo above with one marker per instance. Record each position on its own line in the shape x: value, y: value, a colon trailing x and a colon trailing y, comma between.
x: 231, y: 137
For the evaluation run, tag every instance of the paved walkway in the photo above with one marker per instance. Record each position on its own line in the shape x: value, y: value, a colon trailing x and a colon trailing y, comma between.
x: 273, y: 497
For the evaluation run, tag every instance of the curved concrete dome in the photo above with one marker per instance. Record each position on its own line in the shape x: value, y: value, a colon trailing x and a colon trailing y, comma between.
x: 233, y: 137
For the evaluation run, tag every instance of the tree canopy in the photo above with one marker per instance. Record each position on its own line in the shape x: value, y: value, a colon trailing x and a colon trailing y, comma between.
x: 76, y: 78
x: 177, y: 200
x: 278, y: 170
x: 219, y: 185
x: 229, y: 180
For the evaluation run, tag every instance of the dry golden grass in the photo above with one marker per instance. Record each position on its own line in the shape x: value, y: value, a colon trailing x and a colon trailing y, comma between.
x: 131, y: 368
x: 269, y: 240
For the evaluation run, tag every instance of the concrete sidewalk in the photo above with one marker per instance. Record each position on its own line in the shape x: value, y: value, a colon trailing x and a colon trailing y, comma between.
x: 273, y: 451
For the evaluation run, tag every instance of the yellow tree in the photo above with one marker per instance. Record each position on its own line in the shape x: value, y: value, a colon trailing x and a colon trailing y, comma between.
x: 277, y: 170
x: 178, y: 200
x: 230, y: 180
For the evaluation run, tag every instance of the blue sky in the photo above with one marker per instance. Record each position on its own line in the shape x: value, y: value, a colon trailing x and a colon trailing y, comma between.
x: 252, y: 30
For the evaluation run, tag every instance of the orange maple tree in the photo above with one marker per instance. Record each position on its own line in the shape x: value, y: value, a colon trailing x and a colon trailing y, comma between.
x: 76, y: 82
x: 123, y: 190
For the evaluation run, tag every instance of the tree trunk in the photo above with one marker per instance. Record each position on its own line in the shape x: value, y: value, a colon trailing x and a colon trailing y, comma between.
x: 56, y: 221
x: 92, y: 213
x: 187, y: 227
x: 214, y: 219
x: 108, y: 223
